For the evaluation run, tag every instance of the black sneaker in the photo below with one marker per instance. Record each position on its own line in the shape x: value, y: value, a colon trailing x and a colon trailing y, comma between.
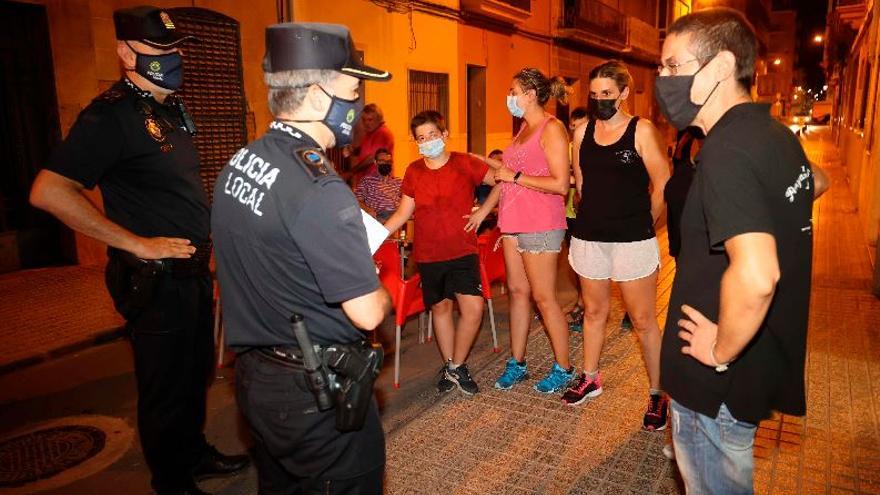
x: 461, y: 376
x: 581, y: 389
x: 657, y: 413
x: 443, y: 384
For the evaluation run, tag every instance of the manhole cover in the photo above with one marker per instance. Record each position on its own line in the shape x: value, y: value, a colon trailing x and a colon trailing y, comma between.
x: 58, y: 452
x: 45, y: 453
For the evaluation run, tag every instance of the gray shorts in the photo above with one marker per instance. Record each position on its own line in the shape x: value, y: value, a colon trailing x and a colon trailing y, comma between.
x: 549, y: 241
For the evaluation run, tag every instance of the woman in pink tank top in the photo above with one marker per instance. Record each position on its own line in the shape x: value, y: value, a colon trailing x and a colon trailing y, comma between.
x: 534, y: 181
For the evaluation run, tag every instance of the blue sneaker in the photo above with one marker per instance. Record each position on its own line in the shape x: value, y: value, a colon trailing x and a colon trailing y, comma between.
x: 513, y: 374
x: 556, y: 380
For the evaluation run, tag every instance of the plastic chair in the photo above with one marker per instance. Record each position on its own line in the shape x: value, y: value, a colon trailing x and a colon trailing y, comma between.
x: 406, y: 295
x: 491, y: 270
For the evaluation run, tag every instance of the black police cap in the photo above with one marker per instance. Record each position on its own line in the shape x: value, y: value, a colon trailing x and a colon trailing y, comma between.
x: 149, y: 25
x: 312, y: 45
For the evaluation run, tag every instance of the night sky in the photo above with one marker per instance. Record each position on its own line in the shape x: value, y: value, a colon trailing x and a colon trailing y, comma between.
x: 811, y: 16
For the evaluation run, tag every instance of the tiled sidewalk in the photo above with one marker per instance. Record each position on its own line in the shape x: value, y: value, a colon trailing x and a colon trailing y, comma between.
x: 523, y: 442
x: 50, y: 310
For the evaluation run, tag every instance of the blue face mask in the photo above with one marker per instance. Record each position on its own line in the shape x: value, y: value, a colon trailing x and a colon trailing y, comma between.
x: 432, y: 148
x: 165, y: 71
x: 513, y: 108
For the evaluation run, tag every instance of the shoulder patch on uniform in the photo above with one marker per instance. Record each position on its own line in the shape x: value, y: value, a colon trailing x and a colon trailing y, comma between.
x: 314, y: 162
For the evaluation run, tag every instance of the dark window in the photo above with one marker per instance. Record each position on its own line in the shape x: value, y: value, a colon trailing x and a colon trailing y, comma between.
x: 520, y: 4
x: 429, y: 91
x: 213, y: 90
x: 866, y: 88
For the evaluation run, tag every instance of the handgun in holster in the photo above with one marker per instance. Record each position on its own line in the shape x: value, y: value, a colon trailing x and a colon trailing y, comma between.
x: 138, y: 281
x: 356, y: 367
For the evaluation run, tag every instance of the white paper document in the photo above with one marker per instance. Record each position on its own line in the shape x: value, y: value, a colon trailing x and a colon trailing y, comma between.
x: 376, y: 232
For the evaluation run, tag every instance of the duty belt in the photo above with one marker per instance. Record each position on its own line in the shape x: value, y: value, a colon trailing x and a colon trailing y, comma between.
x: 194, y: 266
x: 287, y: 356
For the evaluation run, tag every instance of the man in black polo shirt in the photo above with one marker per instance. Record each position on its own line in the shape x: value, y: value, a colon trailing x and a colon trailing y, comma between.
x: 135, y: 142
x: 735, y: 339
x: 290, y: 240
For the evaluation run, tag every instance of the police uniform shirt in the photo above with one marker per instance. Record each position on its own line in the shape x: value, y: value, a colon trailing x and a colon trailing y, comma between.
x: 144, y: 160
x: 288, y: 238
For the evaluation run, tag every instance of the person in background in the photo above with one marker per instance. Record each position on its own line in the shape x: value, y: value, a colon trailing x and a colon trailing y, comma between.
x: 379, y: 191
x: 684, y: 164
x: 576, y: 315
x: 483, y: 190
x: 620, y: 170
x: 377, y: 135
x: 535, y: 177
x: 438, y: 189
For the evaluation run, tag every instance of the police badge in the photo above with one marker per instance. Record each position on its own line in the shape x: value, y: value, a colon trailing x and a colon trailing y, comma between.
x: 154, y: 129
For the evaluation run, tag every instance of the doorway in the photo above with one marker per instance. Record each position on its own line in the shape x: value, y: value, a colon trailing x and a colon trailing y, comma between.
x: 476, y: 110
x: 29, y: 129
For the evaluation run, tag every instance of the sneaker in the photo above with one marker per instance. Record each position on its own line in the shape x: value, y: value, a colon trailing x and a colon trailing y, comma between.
x: 514, y: 373
x: 461, y: 377
x: 581, y: 389
x: 444, y: 384
x: 576, y: 319
x: 626, y: 324
x: 658, y: 411
x: 556, y: 380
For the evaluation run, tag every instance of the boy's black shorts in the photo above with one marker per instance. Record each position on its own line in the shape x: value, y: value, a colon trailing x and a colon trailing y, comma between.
x: 444, y: 279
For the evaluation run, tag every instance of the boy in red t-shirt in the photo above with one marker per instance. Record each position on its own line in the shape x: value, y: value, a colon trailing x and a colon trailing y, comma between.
x: 439, y: 189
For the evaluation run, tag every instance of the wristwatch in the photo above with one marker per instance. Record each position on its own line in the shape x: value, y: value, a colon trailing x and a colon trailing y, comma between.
x: 516, y: 176
x: 719, y: 367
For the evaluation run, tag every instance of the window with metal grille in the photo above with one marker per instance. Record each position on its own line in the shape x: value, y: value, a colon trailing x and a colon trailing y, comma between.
x: 213, y: 88
x: 428, y: 91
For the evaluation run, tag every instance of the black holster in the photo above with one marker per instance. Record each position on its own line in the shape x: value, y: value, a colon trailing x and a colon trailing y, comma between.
x: 355, y: 367
x: 131, y: 282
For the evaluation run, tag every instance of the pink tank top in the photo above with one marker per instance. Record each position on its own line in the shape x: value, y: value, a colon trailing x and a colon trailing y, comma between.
x: 526, y: 210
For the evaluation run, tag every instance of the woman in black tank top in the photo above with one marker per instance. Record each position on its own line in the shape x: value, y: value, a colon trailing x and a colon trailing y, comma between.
x: 617, y: 159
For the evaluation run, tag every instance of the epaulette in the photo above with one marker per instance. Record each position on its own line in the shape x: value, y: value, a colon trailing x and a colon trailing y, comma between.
x: 314, y: 162
x: 111, y: 96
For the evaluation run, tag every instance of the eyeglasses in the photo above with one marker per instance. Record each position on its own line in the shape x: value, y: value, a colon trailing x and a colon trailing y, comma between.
x: 673, y: 68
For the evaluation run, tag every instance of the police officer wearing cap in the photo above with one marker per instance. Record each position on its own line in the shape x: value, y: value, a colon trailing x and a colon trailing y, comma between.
x: 135, y: 142
x: 290, y: 240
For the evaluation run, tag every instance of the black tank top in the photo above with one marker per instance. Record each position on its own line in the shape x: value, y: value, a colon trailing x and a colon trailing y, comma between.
x: 616, y: 205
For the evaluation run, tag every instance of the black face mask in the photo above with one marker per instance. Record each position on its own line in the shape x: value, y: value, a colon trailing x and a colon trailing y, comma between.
x: 165, y: 71
x: 384, y: 168
x: 340, y: 117
x: 673, y: 94
x: 601, y: 109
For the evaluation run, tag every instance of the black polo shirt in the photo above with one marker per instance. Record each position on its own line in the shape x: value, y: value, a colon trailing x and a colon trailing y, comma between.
x: 752, y: 176
x: 288, y: 238
x: 140, y: 153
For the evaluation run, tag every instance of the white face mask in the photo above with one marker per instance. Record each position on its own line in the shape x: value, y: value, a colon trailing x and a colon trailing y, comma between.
x: 432, y: 148
x: 513, y: 108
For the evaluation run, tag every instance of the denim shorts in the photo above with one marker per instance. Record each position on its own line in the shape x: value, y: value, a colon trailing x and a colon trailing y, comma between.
x: 549, y: 241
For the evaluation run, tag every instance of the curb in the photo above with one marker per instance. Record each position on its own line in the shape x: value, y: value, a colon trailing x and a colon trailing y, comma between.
x: 100, y: 338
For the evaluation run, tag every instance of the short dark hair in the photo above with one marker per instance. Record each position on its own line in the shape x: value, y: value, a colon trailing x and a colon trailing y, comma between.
x: 427, y: 117
x: 381, y: 151
x: 614, y: 70
x: 579, y: 113
x: 496, y: 151
x: 718, y: 29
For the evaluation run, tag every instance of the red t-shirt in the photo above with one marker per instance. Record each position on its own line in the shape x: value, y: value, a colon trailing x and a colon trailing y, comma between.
x: 443, y: 197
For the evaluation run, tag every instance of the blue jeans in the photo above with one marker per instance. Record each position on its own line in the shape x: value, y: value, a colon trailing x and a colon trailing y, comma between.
x: 714, y: 455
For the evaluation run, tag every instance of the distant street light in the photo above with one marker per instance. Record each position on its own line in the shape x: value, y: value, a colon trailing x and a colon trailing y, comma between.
x: 778, y: 61
x: 825, y: 88
x: 818, y: 38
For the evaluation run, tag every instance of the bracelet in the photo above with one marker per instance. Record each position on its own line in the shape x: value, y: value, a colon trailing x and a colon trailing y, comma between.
x: 516, y: 176
x: 719, y: 367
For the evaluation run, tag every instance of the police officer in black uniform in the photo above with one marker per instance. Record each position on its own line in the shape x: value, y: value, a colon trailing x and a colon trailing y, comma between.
x: 135, y: 142
x: 290, y: 240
